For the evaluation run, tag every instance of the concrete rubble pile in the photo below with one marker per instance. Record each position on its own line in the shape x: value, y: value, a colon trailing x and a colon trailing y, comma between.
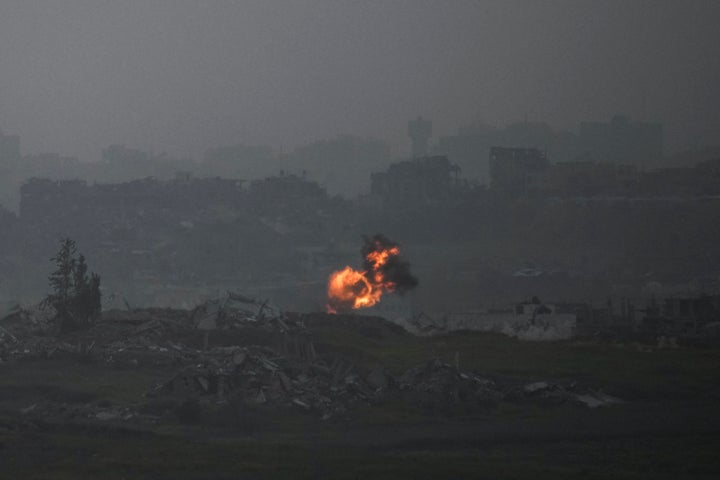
x: 555, y: 393
x: 235, y: 310
x: 78, y: 411
x: 157, y: 336
x: 284, y: 370
x: 536, y: 328
x: 116, y: 333
x: 259, y: 375
x: 442, y: 381
x: 25, y: 331
x: 326, y: 386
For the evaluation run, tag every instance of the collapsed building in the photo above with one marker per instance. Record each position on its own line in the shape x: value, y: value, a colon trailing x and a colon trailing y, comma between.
x: 418, y: 181
x: 620, y: 140
x: 694, y: 316
x: 517, y: 171
x: 41, y: 198
x: 527, y: 172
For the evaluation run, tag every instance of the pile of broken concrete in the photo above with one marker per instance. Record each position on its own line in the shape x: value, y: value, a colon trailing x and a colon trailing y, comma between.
x: 286, y: 372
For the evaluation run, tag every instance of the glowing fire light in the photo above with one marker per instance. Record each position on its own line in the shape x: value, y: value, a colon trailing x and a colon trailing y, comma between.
x: 353, y: 289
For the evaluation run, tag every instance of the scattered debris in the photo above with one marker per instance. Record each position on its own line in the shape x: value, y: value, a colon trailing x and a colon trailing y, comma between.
x: 282, y: 370
x: 527, y: 321
x: 555, y: 393
x: 259, y: 375
x: 596, y: 399
x: 443, y: 382
x: 536, y: 387
x: 235, y: 310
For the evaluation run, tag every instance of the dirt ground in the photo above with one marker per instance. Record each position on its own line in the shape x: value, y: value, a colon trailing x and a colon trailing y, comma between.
x: 77, y: 415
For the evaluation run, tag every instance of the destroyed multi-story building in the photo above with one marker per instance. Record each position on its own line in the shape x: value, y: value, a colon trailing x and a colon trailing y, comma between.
x: 416, y: 182
x: 43, y: 198
x: 522, y: 172
x: 682, y: 315
x: 518, y: 171
x: 699, y: 180
x: 286, y: 192
x: 469, y: 147
x: 620, y: 141
x: 585, y: 178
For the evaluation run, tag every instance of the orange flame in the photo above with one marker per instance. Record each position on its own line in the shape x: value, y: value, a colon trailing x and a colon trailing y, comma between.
x: 353, y: 289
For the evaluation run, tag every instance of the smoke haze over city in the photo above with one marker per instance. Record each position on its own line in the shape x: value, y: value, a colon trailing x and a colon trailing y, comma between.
x: 185, y: 76
x: 347, y: 239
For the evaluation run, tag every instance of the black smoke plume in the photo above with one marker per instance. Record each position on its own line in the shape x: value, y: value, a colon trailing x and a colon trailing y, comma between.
x: 396, y: 270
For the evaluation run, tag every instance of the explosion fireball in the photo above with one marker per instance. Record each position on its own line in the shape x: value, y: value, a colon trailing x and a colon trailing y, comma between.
x: 384, y: 271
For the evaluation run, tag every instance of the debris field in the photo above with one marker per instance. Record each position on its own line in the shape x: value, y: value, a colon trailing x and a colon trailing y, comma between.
x: 242, y: 350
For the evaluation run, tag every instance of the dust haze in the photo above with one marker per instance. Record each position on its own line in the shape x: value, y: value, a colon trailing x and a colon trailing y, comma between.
x: 335, y: 239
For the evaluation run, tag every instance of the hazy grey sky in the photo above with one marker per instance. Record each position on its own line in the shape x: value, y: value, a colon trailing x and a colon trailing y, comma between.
x: 180, y: 76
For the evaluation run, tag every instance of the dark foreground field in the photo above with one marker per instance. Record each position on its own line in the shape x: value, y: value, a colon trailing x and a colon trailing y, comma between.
x: 668, y: 425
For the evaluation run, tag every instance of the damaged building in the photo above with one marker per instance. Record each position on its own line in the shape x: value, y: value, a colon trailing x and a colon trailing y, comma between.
x: 416, y: 182
x: 528, y: 172
x: 518, y: 171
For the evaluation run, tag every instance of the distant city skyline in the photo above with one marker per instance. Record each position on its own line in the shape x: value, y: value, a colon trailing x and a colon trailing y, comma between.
x: 186, y: 76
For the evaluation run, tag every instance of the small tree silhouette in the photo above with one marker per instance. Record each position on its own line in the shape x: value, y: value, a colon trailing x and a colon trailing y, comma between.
x: 76, y: 297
